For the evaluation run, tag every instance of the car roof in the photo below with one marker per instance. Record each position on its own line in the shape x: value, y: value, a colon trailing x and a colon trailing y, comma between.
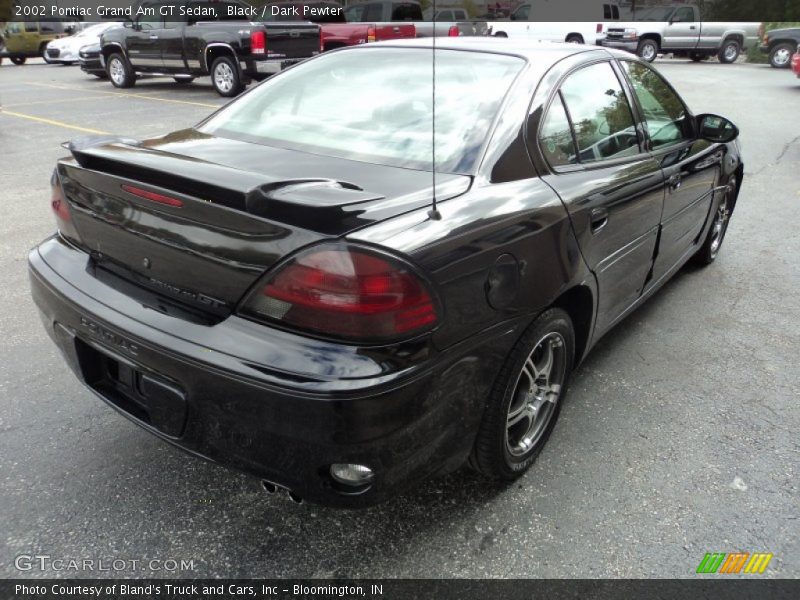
x: 549, y: 52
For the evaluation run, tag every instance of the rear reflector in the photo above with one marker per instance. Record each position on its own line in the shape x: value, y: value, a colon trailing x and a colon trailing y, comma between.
x: 348, y: 293
x: 453, y: 31
x: 371, y: 34
x: 258, y: 42
x: 153, y: 196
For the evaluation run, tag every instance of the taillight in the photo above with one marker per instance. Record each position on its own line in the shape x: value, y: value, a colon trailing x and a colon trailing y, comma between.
x: 258, y: 42
x: 60, y: 206
x: 371, y: 34
x: 321, y: 41
x: 152, y: 196
x: 599, y: 28
x: 344, y: 292
x: 453, y: 31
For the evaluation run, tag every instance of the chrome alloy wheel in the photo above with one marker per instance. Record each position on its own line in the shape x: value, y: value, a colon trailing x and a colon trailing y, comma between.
x: 536, y: 393
x: 116, y: 71
x: 782, y: 57
x: 649, y: 52
x: 223, y: 77
x: 731, y: 52
x: 720, y: 225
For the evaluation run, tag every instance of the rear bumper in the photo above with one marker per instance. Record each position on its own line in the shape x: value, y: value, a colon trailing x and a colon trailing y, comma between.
x: 254, y: 68
x: 631, y: 46
x: 203, y: 389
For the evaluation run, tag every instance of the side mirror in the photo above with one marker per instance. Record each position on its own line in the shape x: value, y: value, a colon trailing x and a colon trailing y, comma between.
x: 716, y: 129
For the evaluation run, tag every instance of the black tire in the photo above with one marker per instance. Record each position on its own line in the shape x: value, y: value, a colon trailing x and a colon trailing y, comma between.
x: 647, y: 50
x: 183, y: 79
x: 501, y: 34
x: 225, y: 77
x: 574, y: 38
x: 18, y: 60
x: 780, y: 55
x: 119, y: 71
x: 709, y: 251
x: 729, y: 52
x: 698, y: 56
x: 495, y: 454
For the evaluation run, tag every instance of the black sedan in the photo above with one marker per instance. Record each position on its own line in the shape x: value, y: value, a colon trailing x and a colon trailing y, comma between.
x: 319, y: 287
x: 89, y: 59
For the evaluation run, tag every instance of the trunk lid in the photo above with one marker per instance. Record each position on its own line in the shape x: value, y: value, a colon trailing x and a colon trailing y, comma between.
x: 167, y: 215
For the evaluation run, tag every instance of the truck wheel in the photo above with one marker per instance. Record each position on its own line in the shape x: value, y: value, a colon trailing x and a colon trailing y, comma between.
x: 225, y: 77
x: 780, y: 56
x: 648, y: 50
x: 18, y: 60
x: 729, y: 52
x: 574, y: 38
x: 120, y: 72
x: 698, y: 56
x: 524, y: 404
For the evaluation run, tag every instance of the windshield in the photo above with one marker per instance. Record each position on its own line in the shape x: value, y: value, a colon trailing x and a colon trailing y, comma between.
x: 659, y: 13
x: 374, y: 105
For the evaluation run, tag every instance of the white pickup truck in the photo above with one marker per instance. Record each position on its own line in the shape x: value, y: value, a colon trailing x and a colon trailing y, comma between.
x: 679, y: 30
x: 543, y: 20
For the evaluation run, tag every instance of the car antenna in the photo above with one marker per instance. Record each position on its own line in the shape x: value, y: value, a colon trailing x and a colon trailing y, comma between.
x: 433, y: 213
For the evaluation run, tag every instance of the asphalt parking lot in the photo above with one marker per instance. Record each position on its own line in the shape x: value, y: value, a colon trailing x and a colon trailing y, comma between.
x: 679, y: 437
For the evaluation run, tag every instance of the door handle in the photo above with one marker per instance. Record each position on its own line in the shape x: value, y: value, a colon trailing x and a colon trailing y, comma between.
x: 598, y: 219
x: 153, y: 36
x: 674, y: 182
x: 692, y: 27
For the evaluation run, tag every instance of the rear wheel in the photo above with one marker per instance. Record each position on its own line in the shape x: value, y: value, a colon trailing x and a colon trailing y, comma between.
x: 648, y: 50
x: 120, y: 72
x: 729, y: 52
x: 225, y: 77
x: 526, y: 399
x: 780, y: 56
x: 18, y: 60
x: 574, y: 38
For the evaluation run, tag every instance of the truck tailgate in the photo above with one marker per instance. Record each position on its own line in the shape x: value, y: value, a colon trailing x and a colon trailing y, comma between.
x: 292, y: 40
x: 394, y: 31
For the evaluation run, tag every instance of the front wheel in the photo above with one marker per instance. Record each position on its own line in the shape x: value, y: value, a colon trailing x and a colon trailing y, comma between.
x: 526, y: 399
x: 120, y: 72
x: 780, y: 57
x: 225, y: 77
x: 18, y: 60
x: 729, y: 52
x: 710, y: 249
x: 648, y: 50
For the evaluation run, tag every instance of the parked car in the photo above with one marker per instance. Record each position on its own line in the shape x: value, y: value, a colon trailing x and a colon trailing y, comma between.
x: 383, y: 11
x: 207, y: 43
x: 678, y: 29
x: 28, y: 39
x: 451, y: 22
x: 780, y: 44
x: 796, y: 61
x: 336, y: 32
x: 89, y: 59
x: 66, y: 50
x: 544, y: 20
x: 317, y: 297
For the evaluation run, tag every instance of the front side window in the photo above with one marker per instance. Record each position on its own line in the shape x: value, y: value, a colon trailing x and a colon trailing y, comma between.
x: 665, y: 115
x: 601, y: 117
x: 375, y: 105
x: 151, y: 20
x: 683, y: 15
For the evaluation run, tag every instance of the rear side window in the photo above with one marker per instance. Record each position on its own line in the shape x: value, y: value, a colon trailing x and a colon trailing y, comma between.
x: 555, y: 138
x: 601, y: 117
x: 664, y: 113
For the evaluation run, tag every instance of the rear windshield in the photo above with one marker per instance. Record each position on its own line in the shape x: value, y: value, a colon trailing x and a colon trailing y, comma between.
x: 375, y: 105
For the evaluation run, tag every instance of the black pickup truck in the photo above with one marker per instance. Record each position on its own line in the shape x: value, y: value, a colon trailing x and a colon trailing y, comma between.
x: 195, y: 38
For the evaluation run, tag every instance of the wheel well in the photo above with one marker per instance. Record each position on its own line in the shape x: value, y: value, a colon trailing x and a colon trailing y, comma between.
x: 109, y: 50
x: 736, y: 37
x: 651, y: 36
x: 215, y: 52
x: 579, y: 305
x: 501, y: 34
x: 574, y: 35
